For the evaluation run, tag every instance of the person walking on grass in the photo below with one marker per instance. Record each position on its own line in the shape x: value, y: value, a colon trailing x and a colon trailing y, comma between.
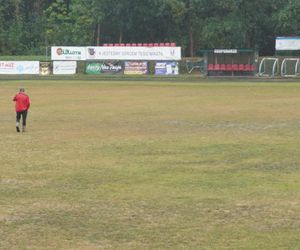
x: 22, y: 105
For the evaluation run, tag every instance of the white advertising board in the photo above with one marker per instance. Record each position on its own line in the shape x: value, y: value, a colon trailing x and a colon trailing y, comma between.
x: 134, y: 53
x: 287, y: 43
x: 64, y: 67
x: 20, y: 67
x: 66, y: 53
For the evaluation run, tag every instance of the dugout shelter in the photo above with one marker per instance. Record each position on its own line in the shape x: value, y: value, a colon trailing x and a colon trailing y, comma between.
x: 230, y: 62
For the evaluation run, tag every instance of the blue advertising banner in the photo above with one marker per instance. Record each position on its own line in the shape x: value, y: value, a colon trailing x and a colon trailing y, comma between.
x: 166, y: 68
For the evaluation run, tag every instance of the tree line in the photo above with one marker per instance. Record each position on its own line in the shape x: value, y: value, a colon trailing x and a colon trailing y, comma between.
x: 29, y: 26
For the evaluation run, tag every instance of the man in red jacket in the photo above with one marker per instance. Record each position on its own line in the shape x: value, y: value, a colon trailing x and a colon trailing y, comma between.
x: 22, y: 105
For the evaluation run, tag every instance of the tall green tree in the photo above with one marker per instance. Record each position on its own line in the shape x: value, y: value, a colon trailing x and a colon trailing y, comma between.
x: 28, y: 26
x: 59, y: 23
x: 288, y: 21
x: 86, y: 17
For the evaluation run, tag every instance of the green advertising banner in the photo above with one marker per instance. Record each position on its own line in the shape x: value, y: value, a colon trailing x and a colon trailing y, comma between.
x: 93, y: 68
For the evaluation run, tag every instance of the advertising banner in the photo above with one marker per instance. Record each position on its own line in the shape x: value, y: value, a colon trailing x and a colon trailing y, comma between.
x: 108, y: 67
x: 64, y: 67
x: 93, y: 68
x: 68, y: 53
x: 136, y: 68
x: 45, y: 68
x: 20, y: 67
x: 166, y: 68
x: 287, y: 43
x: 134, y: 53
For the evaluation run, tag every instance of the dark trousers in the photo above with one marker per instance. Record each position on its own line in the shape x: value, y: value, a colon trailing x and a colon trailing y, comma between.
x: 22, y: 114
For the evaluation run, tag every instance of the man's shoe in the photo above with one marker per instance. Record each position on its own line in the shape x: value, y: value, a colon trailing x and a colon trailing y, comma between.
x: 23, y: 129
x: 18, y: 129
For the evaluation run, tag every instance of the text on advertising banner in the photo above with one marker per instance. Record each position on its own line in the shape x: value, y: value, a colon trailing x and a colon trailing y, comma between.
x: 64, y: 67
x: 68, y: 53
x: 108, y: 67
x: 20, y: 67
x: 166, y: 68
x: 136, y: 68
x: 134, y: 53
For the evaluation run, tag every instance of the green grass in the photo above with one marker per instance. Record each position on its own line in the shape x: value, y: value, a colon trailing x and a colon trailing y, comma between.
x: 151, y: 165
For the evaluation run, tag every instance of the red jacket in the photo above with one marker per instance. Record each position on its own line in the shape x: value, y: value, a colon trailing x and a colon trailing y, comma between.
x: 22, y: 102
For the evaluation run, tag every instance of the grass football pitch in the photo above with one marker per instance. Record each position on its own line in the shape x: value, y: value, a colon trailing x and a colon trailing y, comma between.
x: 151, y: 165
